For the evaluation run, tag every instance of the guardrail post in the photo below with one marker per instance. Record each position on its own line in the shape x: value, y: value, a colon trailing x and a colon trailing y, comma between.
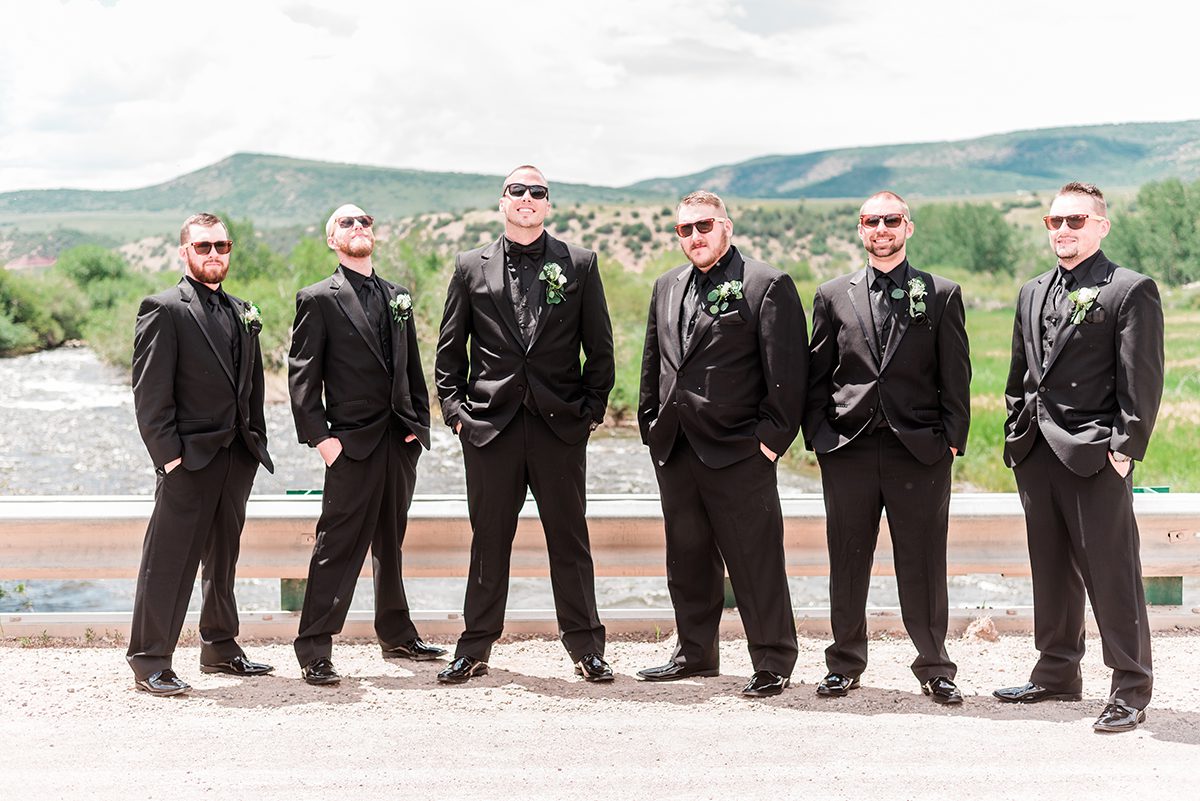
x: 1163, y: 590
x: 291, y: 594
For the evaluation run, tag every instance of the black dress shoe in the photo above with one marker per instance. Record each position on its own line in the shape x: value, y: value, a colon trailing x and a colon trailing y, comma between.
x: 674, y: 671
x: 414, y: 649
x: 320, y: 671
x: 942, y: 690
x: 462, y: 669
x: 238, y: 666
x: 765, y: 683
x: 1118, y: 717
x: 836, y: 685
x: 164, y: 682
x: 1032, y: 693
x: 593, y: 668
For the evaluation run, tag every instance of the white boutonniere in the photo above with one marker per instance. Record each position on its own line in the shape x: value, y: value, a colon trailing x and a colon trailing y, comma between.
x: 251, y: 317
x: 916, y: 299
x: 401, y: 308
x: 720, y: 297
x: 1083, y: 299
x: 552, y: 274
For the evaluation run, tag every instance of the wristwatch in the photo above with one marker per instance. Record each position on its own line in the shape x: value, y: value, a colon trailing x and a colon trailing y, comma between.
x: 1120, y: 457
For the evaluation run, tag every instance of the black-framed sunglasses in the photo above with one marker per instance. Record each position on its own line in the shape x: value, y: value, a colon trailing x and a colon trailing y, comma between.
x: 223, y: 246
x: 536, y: 191
x: 872, y: 220
x: 365, y: 220
x: 684, y: 230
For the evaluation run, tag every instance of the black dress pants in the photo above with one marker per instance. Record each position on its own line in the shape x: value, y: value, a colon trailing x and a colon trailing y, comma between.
x: 197, y: 520
x: 364, y: 505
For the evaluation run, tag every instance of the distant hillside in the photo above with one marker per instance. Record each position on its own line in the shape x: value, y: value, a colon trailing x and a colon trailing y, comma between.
x: 1109, y: 155
x: 276, y: 191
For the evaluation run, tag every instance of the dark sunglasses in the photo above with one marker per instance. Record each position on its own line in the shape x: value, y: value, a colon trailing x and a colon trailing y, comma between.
x: 365, y: 220
x: 703, y: 226
x: 1074, y: 221
x: 536, y: 191
x: 872, y: 220
x: 223, y: 246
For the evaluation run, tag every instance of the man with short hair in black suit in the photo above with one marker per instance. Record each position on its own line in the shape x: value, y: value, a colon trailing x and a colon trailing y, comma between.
x: 519, y: 312
x: 1083, y: 392
x: 723, y: 381
x: 358, y: 397
x: 198, y: 397
x: 888, y: 410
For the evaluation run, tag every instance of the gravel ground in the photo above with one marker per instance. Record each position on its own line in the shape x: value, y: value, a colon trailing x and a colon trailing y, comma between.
x: 72, y: 726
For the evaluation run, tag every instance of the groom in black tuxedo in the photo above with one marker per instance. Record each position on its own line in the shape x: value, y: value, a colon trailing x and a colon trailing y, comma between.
x: 1083, y: 393
x: 358, y: 397
x: 518, y: 314
x: 198, y: 397
x: 723, y: 380
x: 888, y: 410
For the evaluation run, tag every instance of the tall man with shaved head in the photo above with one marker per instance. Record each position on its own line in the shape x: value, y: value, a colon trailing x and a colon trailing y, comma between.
x: 1083, y: 392
x: 520, y: 312
x: 358, y: 397
x: 888, y: 410
x: 198, y: 396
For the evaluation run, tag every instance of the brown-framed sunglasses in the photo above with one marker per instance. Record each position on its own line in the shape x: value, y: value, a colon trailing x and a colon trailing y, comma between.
x: 223, y: 246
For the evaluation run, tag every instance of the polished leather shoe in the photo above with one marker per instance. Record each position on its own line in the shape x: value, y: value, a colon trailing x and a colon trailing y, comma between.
x: 415, y: 649
x: 238, y: 666
x: 593, y: 668
x: 765, y: 683
x: 320, y: 671
x: 942, y: 690
x: 164, y: 682
x: 1118, y: 717
x: 837, y: 685
x: 1032, y: 693
x: 462, y: 669
x: 674, y: 671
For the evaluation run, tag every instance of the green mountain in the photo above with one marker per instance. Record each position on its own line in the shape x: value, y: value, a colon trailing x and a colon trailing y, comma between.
x: 1108, y: 155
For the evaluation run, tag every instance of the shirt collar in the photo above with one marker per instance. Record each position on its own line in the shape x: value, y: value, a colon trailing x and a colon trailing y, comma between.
x: 204, y: 291
x: 357, y: 279
x: 1081, y: 273
x: 898, y: 274
x: 716, y: 273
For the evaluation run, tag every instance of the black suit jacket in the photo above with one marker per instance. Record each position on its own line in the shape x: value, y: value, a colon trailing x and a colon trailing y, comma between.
x: 1103, y: 381
x: 484, y: 389
x: 186, y: 397
x: 742, y: 379
x: 337, y: 378
x: 923, y: 380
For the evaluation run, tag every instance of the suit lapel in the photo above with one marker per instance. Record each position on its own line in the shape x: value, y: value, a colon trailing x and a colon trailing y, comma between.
x: 244, y: 337
x: 398, y: 336
x: 1065, y: 327
x: 192, y: 298
x: 670, y: 314
x: 735, y: 271
x: 556, y: 252
x: 902, y: 320
x: 348, y: 301
x: 493, y: 276
x: 861, y: 301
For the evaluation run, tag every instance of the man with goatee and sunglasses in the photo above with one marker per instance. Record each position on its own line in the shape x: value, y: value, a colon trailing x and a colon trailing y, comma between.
x: 888, y: 410
x: 723, y: 380
x: 520, y: 313
x: 198, y: 397
x: 359, y: 398
x: 1083, y: 392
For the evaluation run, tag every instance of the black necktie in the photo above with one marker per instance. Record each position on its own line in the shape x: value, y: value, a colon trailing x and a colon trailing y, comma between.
x: 693, y: 301
x: 882, y: 306
x: 222, y: 314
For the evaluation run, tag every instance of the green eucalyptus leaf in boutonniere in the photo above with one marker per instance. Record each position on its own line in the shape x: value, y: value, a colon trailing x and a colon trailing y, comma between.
x: 720, y: 297
x: 552, y: 274
x: 401, y: 308
x: 916, y: 299
x: 1083, y: 299
x: 251, y: 317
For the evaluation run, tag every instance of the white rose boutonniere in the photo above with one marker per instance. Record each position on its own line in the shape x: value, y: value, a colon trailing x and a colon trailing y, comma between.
x: 916, y: 299
x: 1083, y: 299
x: 552, y: 274
x: 401, y: 308
x: 251, y: 317
x: 720, y: 297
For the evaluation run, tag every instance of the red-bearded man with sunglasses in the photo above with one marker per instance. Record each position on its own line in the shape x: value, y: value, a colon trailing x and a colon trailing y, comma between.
x: 198, y: 397
x: 723, y: 379
x: 520, y: 312
x: 888, y: 410
x: 1083, y: 392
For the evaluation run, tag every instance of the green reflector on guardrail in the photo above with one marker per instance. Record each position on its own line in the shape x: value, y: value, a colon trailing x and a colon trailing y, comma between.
x: 1152, y: 489
x: 302, y: 492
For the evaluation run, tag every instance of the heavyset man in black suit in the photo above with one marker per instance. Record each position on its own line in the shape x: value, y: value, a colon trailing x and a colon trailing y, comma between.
x: 518, y: 312
x: 198, y: 397
x: 358, y: 397
x: 888, y: 409
x: 1083, y: 392
x: 723, y: 380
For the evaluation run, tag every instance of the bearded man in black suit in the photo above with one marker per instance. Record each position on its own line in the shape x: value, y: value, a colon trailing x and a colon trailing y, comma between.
x: 723, y: 380
x: 198, y: 397
x: 358, y: 397
x: 519, y: 312
x: 1083, y: 392
x: 888, y: 410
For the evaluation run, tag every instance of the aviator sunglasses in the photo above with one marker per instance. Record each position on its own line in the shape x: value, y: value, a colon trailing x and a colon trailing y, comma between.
x: 703, y: 226
x: 872, y: 220
x: 1074, y: 221
x: 365, y: 220
x: 536, y: 191
x: 223, y: 246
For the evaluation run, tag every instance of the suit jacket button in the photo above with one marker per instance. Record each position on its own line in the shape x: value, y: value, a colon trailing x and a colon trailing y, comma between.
x: 520, y: 387
x: 1041, y: 389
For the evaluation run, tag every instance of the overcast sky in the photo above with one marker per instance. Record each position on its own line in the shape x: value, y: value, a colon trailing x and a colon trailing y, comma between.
x: 114, y: 94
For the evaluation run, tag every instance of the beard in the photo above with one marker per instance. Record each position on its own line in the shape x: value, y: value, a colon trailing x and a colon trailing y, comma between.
x: 884, y: 249
x: 715, y: 251
x: 207, y: 271
x: 358, y: 247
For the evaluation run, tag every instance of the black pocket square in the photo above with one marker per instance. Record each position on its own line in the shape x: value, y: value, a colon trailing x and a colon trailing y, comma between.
x: 570, y: 288
x: 731, y: 318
